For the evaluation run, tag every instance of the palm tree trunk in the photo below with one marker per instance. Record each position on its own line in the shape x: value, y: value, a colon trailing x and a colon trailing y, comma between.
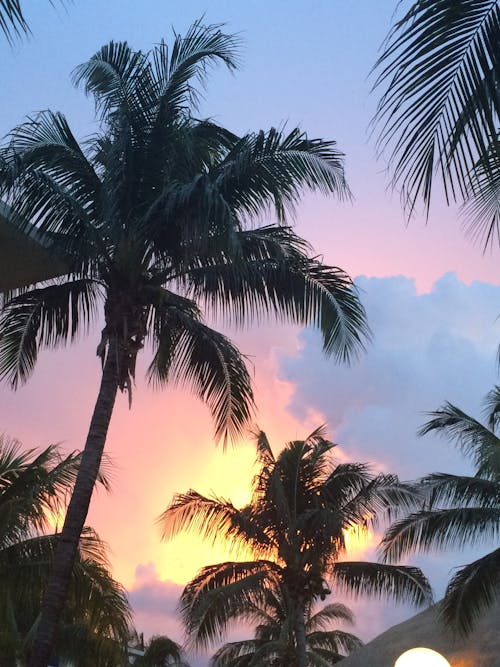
x: 300, y: 634
x: 55, y: 595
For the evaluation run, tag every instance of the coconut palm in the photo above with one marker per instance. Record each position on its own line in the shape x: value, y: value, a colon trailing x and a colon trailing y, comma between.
x: 439, y: 107
x: 155, y: 217
x: 160, y: 651
x: 273, y: 644
x: 295, y: 525
x: 459, y: 509
x: 96, y: 616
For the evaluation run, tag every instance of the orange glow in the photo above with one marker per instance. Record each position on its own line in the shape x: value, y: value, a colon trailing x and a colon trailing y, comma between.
x: 227, y: 475
x: 359, y: 541
x: 55, y: 520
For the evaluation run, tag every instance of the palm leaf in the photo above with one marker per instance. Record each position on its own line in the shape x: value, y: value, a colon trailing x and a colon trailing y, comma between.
x: 334, y: 641
x: 213, y: 367
x: 470, y: 436
x: 330, y: 612
x: 440, y: 528
x: 12, y: 21
x: 46, y: 316
x: 471, y: 592
x: 189, y: 60
x: 440, y: 105
x: 395, y: 582
x: 220, y: 594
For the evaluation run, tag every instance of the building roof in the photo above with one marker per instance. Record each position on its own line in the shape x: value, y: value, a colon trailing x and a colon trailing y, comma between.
x: 25, y: 256
x: 481, y: 649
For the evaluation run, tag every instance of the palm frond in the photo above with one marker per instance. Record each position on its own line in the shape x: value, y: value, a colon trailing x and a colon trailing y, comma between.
x: 272, y: 169
x: 395, y: 582
x: 213, y: 367
x: 188, y: 61
x: 12, y: 21
x: 323, y: 618
x: 470, y: 436
x: 440, y: 106
x: 480, y: 213
x: 212, y: 518
x: 220, y: 594
x: 273, y: 277
x: 440, y: 528
x: 233, y: 654
x: 114, y: 76
x: 47, y: 316
x: 471, y: 592
x: 334, y: 641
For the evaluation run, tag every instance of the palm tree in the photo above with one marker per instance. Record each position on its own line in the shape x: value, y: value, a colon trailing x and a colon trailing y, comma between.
x: 155, y: 218
x: 160, y: 651
x: 439, y: 108
x: 295, y: 525
x: 96, y: 616
x: 459, y: 509
x: 273, y: 645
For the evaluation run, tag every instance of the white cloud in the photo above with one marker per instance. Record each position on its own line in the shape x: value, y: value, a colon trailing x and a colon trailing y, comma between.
x: 427, y: 349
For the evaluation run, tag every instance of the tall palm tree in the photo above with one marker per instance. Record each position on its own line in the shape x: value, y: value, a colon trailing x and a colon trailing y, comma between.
x: 96, y: 616
x: 295, y: 525
x: 155, y: 217
x: 459, y: 509
x: 439, y: 108
x: 273, y: 644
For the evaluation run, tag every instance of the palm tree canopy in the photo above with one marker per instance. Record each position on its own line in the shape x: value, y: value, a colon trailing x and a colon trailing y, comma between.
x: 459, y: 509
x: 155, y: 217
x: 160, y: 651
x: 302, y: 506
x: 34, y: 487
x: 273, y: 641
x: 439, y: 106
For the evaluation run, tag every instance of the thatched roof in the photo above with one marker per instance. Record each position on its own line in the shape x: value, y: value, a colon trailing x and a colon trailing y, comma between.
x: 481, y: 649
x: 24, y: 258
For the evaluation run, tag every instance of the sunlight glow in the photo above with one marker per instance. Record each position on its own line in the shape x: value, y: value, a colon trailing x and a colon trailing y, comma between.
x: 359, y: 541
x: 227, y: 475
x: 421, y: 657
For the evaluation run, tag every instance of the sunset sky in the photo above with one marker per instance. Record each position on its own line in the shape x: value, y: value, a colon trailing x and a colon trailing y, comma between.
x: 432, y: 296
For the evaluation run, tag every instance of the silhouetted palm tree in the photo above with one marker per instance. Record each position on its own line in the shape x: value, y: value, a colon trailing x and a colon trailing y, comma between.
x: 96, y: 616
x: 161, y: 651
x: 273, y: 644
x: 295, y: 525
x: 439, y: 110
x: 154, y: 217
x: 458, y: 510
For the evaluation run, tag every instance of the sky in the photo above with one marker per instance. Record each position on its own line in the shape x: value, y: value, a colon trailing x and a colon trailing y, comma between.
x: 431, y: 295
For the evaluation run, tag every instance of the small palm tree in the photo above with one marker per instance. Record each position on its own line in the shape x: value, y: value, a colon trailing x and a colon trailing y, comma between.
x: 459, y: 509
x: 96, y: 616
x: 155, y: 218
x: 439, y: 108
x: 273, y: 644
x: 295, y: 525
x: 161, y: 651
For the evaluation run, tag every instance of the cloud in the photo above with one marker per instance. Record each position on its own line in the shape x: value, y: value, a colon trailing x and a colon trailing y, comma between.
x: 427, y: 349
